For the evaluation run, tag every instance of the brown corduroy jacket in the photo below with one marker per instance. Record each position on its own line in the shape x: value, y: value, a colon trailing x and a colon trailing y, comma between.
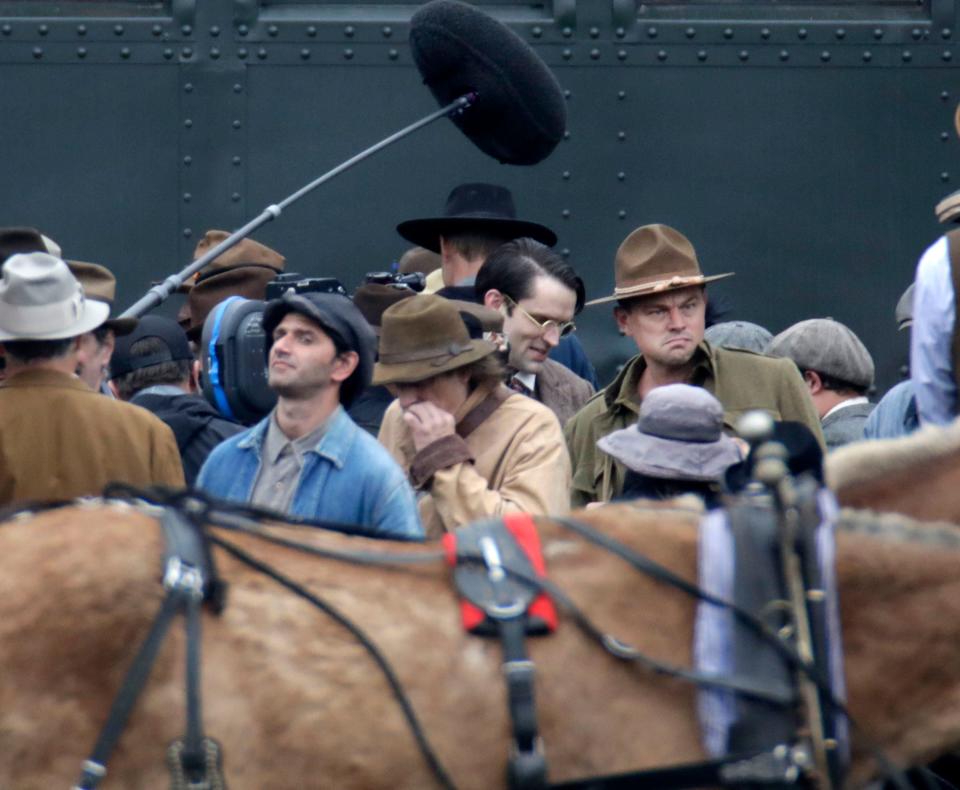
x: 59, y: 439
x: 514, y: 460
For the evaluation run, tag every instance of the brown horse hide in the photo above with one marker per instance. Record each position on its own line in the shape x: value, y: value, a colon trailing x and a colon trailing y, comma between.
x: 916, y: 475
x: 296, y: 702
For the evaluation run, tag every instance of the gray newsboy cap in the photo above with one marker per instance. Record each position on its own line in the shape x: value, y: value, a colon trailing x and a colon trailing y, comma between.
x: 738, y: 334
x: 828, y: 347
x: 340, y: 319
x: 679, y: 436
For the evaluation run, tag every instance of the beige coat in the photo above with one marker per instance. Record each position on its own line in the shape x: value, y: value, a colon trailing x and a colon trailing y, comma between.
x: 515, y: 460
x: 59, y: 439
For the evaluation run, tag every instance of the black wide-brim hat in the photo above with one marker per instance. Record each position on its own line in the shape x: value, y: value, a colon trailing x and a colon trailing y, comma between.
x: 485, y: 209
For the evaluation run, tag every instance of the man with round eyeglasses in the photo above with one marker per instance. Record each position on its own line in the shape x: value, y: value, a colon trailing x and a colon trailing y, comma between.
x: 538, y: 294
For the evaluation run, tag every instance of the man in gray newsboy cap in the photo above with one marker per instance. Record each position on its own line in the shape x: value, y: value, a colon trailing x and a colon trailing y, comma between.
x: 837, y: 368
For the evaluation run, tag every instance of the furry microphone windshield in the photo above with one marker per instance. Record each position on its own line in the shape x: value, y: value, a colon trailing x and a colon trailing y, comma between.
x: 519, y: 115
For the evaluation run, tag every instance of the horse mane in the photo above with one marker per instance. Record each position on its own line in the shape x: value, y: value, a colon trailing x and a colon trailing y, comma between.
x: 862, y: 462
x: 899, y: 528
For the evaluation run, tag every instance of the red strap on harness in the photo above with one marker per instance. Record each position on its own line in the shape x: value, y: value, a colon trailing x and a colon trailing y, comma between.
x: 524, y: 531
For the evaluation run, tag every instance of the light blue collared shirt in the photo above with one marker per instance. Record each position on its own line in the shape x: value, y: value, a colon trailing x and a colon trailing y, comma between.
x: 931, y: 337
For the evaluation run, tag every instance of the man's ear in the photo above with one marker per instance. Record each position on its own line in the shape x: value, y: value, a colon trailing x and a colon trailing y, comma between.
x: 194, y: 381
x: 493, y: 299
x: 620, y: 316
x: 344, y: 364
x: 812, y: 379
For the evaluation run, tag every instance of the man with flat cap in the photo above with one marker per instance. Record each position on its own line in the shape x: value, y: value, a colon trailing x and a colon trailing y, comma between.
x: 58, y: 438
x: 307, y: 458
x: 472, y: 448
x: 661, y: 304
x: 837, y: 368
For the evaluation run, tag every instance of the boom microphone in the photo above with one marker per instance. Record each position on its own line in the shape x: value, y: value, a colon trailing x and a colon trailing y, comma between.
x: 519, y: 115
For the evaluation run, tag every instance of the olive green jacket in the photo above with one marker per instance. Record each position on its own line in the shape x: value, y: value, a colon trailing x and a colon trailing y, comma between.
x: 741, y: 380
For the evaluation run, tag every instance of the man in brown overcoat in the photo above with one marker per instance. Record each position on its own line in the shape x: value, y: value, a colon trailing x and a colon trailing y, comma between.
x: 472, y: 447
x: 58, y: 438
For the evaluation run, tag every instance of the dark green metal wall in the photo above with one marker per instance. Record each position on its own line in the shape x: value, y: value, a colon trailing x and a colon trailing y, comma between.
x: 802, y: 146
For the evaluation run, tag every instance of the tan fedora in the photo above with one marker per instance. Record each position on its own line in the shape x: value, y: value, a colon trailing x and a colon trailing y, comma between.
x: 654, y: 259
x: 41, y: 300
x: 99, y: 283
x: 422, y: 337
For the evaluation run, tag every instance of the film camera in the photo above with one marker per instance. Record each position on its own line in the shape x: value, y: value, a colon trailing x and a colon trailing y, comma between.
x: 233, y: 349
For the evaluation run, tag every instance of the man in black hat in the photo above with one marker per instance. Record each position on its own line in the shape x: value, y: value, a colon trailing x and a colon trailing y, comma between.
x: 477, y: 219
x: 153, y: 367
x: 307, y: 458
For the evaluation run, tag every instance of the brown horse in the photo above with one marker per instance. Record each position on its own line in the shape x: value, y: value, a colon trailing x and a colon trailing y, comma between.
x: 297, y: 703
x: 918, y: 475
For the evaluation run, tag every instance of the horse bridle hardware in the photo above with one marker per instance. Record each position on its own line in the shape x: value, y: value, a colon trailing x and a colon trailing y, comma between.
x: 781, y: 766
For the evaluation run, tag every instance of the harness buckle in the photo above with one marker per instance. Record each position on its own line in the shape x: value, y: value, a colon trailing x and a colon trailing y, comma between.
x: 183, y: 577
x: 781, y: 765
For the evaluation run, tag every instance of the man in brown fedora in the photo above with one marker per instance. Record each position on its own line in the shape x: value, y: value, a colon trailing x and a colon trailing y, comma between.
x: 96, y: 347
x: 243, y: 270
x: 471, y: 447
x: 58, y: 439
x: 661, y: 303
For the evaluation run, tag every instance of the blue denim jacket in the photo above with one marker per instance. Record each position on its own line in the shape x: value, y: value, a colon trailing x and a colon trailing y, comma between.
x: 348, y: 477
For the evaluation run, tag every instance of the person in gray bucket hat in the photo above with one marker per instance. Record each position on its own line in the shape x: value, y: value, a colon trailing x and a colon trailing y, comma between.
x: 677, y: 446
x: 838, y: 370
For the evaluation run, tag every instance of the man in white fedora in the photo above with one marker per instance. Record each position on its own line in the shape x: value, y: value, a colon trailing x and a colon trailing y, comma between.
x: 58, y: 438
x: 661, y: 302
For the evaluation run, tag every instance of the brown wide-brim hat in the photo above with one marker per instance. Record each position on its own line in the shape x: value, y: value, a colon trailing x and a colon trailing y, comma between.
x: 372, y: 299
x: 422, y: 337
x: 655, y: 259
x: 99, y: 283
x: 250, y: 282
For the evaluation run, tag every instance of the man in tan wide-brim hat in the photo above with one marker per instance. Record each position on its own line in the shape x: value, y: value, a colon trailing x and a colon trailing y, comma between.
x: 471, y: 446
x: 661, y: 299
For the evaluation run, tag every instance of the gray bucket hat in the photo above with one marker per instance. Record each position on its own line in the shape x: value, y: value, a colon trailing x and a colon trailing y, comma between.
x: 41, y: 300
x: 679, y: 436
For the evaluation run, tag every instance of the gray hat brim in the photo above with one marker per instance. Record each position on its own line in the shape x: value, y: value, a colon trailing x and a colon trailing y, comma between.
x: 94, y: 314
x: 670, y: 458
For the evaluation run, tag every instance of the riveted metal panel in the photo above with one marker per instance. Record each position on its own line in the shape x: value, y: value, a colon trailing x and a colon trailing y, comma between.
x: 88, y: 159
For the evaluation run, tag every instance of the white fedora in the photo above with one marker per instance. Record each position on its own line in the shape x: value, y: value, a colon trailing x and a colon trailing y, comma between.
x: 41, y: 300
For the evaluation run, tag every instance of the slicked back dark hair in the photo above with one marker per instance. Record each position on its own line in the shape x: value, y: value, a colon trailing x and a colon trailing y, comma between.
x: 512, y: 268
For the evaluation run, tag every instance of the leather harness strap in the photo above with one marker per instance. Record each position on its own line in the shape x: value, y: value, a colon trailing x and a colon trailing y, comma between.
x: 953, y: 246
x: 189, y: 579
x: 493, y: 587
x: 479, y: 413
